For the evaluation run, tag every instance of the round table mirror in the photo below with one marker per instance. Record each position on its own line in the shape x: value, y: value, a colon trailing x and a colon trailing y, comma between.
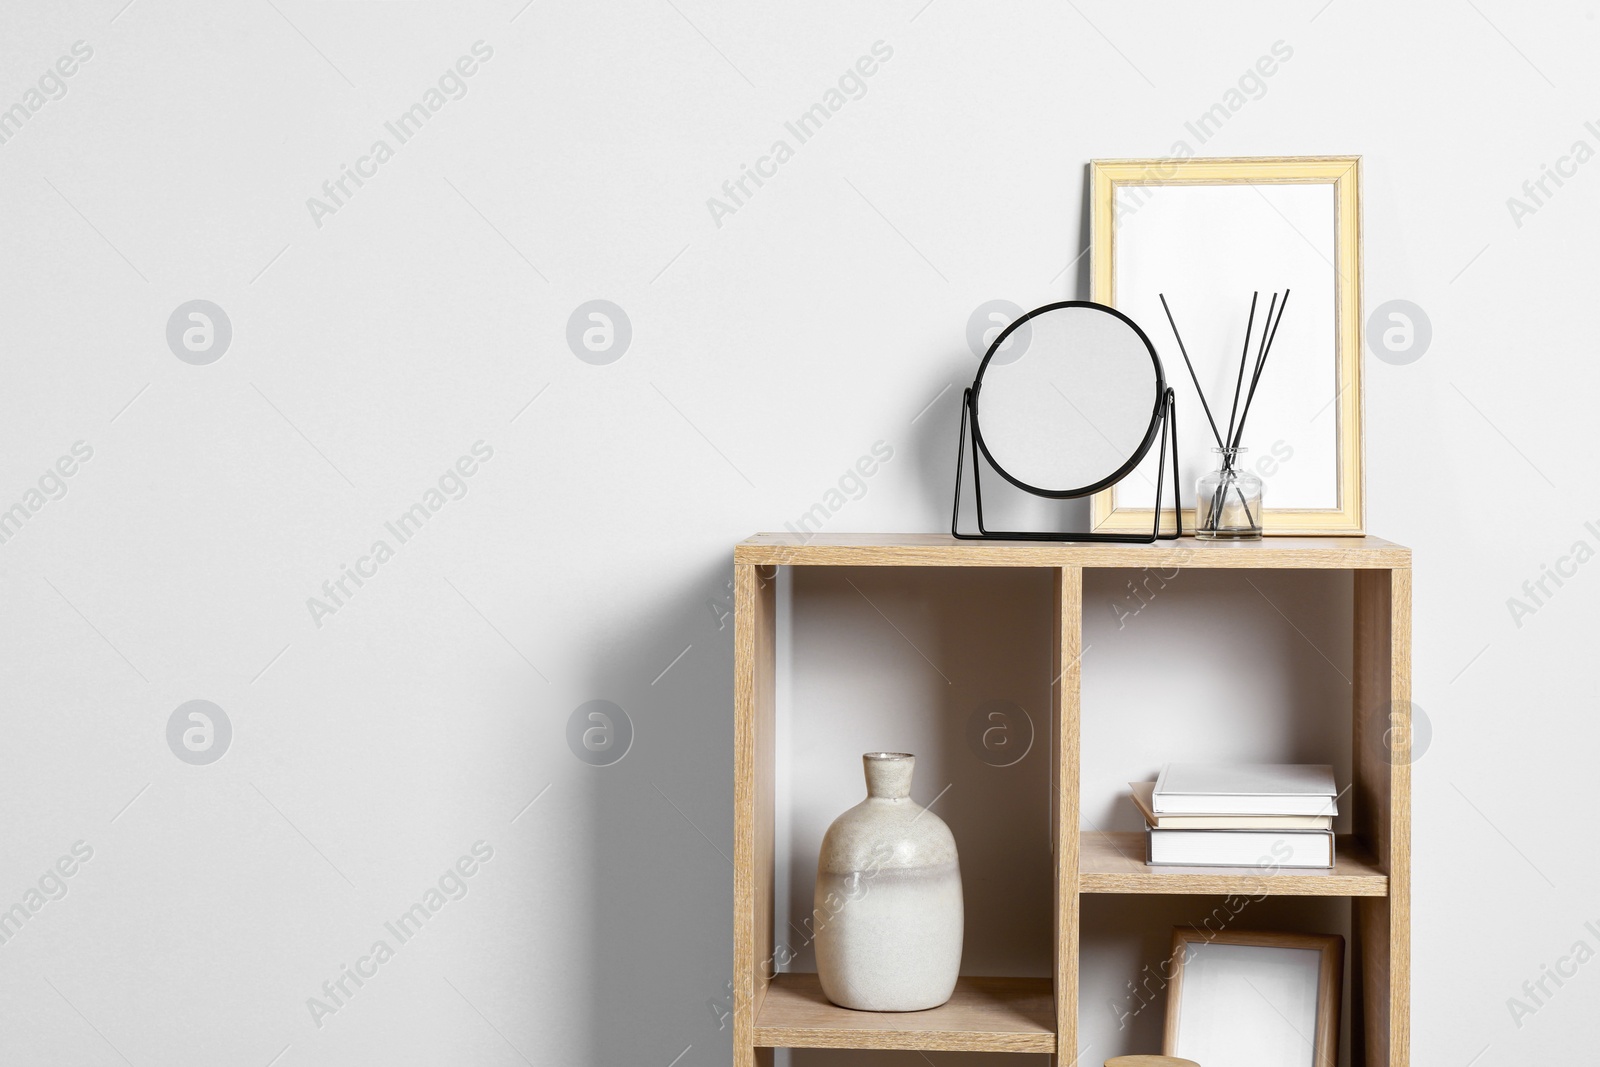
x: 1068, y: 399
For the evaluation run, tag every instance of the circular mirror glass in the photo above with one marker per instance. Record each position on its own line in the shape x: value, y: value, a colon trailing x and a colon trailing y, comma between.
x: 1067, y: 400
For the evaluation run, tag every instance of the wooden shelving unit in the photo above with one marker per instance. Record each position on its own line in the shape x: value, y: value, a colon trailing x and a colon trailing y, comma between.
x: 1041, y: 1014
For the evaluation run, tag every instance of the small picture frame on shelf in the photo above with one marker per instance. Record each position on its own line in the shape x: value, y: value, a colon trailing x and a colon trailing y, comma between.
x: 1251, y: 999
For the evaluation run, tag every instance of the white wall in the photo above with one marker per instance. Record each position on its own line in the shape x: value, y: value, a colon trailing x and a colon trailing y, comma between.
x: 768, y: 353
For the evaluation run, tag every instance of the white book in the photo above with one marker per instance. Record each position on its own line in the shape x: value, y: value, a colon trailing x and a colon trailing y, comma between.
x: 1265, y: 850
x: 1245, y: 789
x: 1144, y: 791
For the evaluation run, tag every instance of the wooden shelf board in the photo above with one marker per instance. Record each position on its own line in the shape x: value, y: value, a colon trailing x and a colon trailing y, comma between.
x: 942, y: 550
x: 1114, y: 863
x: 984, y: 1015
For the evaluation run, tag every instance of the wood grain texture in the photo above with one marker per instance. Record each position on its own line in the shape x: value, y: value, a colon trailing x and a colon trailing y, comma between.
x: 1370, y: 796
x: 1370, y: 984
x: 1066, y: 701
x: 1375, y: 731
x: 1399, y: 990
x: 1381, y: 992
x: 984, y: 1015
x: 942, y: 550
x: 755, y: 699
x: 1114, y: 863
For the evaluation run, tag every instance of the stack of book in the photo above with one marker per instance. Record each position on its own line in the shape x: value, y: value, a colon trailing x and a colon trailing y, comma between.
x: 1267, y: 815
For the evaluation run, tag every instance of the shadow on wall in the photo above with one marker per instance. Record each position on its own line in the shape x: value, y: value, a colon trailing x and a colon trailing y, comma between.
x: 933, y: 452
x: 661, y: 887
x: 661, y: 873
x: 932, y: 441
x: 660, y: 893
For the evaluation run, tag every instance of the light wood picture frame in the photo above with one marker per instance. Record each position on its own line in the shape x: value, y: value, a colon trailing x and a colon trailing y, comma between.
x: 1251, y: 999
x: 1208, y: 233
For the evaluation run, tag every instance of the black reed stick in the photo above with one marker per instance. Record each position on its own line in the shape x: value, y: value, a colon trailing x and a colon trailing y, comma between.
x: 1261, y: 363
x: 1269, y: 333
x: 1229, y: 453
x: 1255, y: 370
x: 1201, y: 393
x: 1192, y: 376
x: 1273, y: 336
x: 1239, y: 382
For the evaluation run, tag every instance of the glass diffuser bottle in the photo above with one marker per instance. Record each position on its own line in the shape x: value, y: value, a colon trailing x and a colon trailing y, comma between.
x: 1227, y: 502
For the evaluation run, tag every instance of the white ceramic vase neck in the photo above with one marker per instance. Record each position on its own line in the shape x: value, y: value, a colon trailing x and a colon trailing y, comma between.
x: 889, y: 774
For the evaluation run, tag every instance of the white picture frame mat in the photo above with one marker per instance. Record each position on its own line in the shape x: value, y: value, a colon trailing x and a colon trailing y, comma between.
x: 1249, y: 237
x: 1249, y: 1005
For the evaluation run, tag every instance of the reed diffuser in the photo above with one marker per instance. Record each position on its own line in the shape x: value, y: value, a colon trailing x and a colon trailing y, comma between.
x: 1227, y: 501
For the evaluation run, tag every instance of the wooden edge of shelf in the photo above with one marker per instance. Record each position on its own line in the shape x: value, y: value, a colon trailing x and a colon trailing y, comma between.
x: 942, y: 550
x: 1114, y: 863
x: 983, y: 1015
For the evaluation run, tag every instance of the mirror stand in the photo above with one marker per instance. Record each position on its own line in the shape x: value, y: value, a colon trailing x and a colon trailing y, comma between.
x: 1169, y: 427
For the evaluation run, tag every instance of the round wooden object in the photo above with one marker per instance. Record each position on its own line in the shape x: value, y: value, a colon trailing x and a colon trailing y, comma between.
x: 1149, y: 1061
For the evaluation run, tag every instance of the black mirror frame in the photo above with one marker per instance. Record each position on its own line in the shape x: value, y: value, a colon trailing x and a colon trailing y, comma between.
x: 1163, y: 418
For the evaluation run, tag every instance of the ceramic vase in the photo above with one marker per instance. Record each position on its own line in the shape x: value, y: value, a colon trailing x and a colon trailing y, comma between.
x: 887, y: 912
